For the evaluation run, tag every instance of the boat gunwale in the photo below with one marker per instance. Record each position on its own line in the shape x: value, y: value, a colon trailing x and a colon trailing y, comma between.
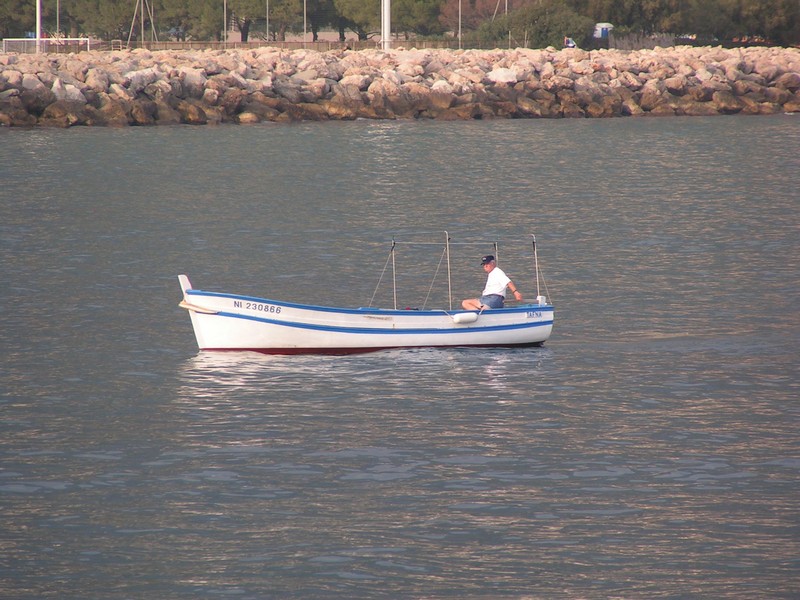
x: 366, y: 310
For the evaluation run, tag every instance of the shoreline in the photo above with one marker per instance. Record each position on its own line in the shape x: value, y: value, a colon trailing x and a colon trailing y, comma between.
x: 140, y: 87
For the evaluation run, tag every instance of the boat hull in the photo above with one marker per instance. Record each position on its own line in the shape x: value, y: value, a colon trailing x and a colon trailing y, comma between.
x: 228, y: 322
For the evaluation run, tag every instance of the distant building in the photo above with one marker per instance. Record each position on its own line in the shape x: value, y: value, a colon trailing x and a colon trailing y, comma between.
x: 601, y: 30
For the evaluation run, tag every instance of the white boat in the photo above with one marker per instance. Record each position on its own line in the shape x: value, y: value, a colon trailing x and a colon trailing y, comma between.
x: 230, y: 322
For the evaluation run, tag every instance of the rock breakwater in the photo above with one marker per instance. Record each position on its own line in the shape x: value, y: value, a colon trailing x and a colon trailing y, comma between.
x: 140, y: 87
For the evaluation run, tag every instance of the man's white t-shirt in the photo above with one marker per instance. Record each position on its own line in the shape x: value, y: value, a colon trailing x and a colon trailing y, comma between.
x: 496, y: 282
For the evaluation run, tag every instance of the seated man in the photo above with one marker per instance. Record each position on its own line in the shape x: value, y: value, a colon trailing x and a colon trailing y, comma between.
x: 494, y: 293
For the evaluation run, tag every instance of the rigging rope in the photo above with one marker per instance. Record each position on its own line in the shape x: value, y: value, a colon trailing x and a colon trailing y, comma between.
x: 378, y: 285
x: 439, y: 266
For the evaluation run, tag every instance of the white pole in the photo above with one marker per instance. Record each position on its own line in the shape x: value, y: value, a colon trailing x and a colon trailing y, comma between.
x: 225, y: 26
x: 509, y: 26
x: 386, y: 24
x: 58, y: 17
x: 267, y: 28
x: 38, y: 26
x: 305, y: 19
x: 459, y: 24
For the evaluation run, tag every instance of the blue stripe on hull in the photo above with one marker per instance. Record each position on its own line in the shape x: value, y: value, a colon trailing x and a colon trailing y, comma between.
x: 387, y: 331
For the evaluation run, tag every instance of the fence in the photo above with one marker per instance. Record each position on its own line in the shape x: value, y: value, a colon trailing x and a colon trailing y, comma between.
x: 57, y: 45
x: 320, y: 46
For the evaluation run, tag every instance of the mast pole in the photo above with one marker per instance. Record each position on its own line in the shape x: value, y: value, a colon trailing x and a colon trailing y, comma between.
x: 536, y: 264
x: 394, y: 276
x: 449, y: 281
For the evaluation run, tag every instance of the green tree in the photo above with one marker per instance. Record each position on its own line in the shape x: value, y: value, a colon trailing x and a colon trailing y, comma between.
x: 539, y: 24
x: 106, y: 19
x: 473, y: 13
x: 775, y: 20
x: 243, y: 13
x: 207, y: 24
x: 642, y: 16
x: 419, y: 17
x: 70, y: 18
x: 321, y: 13
x: 285, y: 16
x: 362, y: 16
x: 175, y: 18
x: 16, y: 18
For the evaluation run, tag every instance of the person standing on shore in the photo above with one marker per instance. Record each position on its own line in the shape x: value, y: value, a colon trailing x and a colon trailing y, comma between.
x: 494, y: 293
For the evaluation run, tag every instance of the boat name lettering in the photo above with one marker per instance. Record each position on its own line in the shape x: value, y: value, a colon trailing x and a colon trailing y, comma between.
x: 534, y: 314
x: 257, y: 306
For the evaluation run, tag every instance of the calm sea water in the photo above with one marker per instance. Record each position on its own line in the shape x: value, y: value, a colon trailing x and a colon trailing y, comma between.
x: 650, y: 449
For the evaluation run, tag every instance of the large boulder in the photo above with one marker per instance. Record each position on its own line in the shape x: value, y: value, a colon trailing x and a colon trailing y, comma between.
x: 233, y: 101
x: 257, y: 110
x: 166, y: 114
x: 726, y: 102
x: 288, y: 89
x: 136, y: 81
x: 116, y: 111
x: 66, y: 113
x: 788, y: 81
x: 97, y: 79
x: 10, y: 78
x: 502, y: 75
x: 37, y: 99
x: 193, y: 81
x: 191, y: 112
x: 143, y: 112
x: 67, y: 91
x: 14, y: 114
x: 345, y: 103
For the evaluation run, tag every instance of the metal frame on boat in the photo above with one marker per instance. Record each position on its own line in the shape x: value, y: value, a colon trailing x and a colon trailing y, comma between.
x: 231, y: 322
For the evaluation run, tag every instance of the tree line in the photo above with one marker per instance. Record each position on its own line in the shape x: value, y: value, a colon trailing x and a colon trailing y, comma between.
x: 531, y: 23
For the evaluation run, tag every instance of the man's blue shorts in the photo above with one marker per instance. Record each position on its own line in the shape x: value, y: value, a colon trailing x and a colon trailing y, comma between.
x: 493, y: 301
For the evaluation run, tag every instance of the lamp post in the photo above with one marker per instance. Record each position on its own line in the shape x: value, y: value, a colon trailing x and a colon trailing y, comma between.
x: 386, y: 24
x: 38, y: 26
x: 509, y: 26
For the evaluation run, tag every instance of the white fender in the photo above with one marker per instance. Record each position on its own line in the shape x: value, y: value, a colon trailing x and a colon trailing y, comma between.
x: 465, y: 317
